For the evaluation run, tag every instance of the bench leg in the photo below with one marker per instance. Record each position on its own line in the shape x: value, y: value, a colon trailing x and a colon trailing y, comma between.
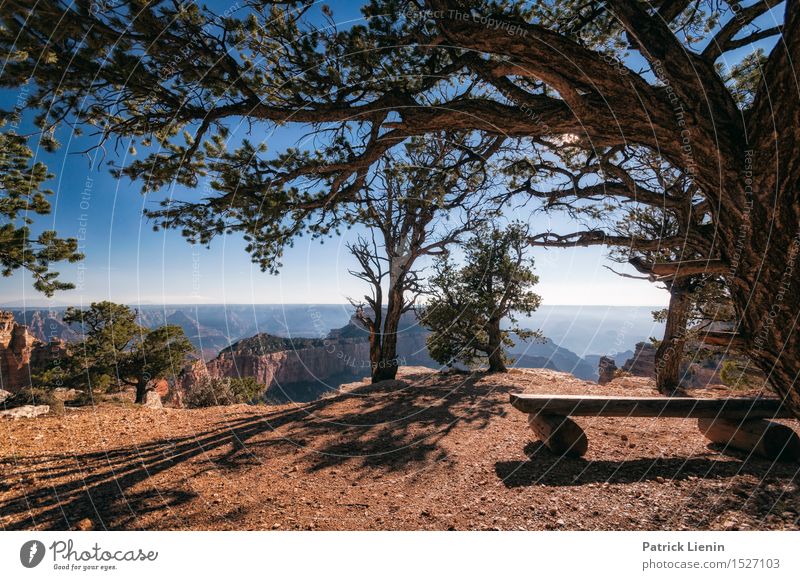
x: 762, y: 437
x: 560, y: 434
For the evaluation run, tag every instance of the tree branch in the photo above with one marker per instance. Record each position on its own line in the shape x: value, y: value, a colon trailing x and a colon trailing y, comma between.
x: 724, y: 339
x: 723, y: 41
x: 688, y: 74
x: 660, y: 272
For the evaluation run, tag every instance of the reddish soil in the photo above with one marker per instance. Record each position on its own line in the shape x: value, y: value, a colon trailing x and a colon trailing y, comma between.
x: 428, y: 451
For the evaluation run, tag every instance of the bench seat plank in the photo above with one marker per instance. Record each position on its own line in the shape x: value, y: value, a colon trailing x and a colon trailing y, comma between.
x: 676, y: 407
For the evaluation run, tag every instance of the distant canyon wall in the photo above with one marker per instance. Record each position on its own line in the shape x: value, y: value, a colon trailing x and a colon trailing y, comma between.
x: 344, y: 357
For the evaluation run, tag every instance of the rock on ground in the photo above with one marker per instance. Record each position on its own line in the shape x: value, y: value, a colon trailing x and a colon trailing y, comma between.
x: 152, y: 400
x: 25, y: 412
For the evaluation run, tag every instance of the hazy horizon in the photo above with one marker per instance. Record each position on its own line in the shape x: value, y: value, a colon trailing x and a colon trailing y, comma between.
x: 582, y: 329
x: 63, y: 304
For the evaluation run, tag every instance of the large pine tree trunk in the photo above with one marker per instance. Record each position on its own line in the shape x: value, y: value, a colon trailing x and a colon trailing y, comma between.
x: 496, y: 359
x: 763, y: 245
x: 669, y: 354
x: 766, y: 293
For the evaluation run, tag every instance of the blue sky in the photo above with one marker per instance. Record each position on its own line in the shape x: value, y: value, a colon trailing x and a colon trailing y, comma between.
x: 128, y: 262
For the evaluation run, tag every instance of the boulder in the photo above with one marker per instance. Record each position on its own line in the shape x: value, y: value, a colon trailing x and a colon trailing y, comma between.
x: 152, y: 400
x: 25, y: 412
x: 66, y: 394
x: 84, y: 525
x: 161, y: 386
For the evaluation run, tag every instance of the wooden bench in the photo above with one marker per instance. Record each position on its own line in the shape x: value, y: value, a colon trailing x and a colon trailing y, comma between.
x: 739, y: 423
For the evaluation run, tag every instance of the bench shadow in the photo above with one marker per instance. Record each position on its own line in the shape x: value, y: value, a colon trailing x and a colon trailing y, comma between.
x: 546, y: 468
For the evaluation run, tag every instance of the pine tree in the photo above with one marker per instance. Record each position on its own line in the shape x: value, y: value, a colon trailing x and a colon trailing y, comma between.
x: 468, y: 304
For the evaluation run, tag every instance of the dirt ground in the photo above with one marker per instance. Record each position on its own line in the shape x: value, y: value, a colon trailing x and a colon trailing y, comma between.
x: 426, y: 452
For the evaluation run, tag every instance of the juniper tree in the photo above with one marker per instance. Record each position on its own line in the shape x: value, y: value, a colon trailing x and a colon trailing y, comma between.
x: 108, y: 333
x: 158, y: 353
x: 115, y: 351
x: 696, y: 83
x: 467, y: 304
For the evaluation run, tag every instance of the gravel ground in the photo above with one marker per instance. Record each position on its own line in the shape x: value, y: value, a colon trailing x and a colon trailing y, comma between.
x: 425, y: 452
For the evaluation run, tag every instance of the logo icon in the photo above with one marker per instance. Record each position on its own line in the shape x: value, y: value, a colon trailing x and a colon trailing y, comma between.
x: 31, y: 553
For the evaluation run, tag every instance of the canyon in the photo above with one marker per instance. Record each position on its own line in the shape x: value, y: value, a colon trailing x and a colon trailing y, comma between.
x: 271, y: 344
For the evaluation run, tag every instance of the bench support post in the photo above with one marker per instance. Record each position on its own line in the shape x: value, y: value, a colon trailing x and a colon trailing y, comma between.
x: 759, y: 436
x: 560, y: 434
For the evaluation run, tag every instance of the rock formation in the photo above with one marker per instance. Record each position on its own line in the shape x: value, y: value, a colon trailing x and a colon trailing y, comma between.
x: 278, y: 362
x: 20, y: 352
x: 152, y: 400
x: 46, y: 325
x: 607, y: 368
x: 643, y: 361
x: 16, y: 344
x: 25, y: 412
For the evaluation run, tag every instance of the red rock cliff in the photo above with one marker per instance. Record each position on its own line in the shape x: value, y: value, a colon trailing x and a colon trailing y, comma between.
x: 309, y: 361
x: 21, y: 352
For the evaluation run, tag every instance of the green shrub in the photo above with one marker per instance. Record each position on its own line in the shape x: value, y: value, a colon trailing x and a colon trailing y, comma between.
x: 738, y: 374
x: 246, y: 389
x: 85, y: 398
x: 211, y: 392
x: 57, y: 408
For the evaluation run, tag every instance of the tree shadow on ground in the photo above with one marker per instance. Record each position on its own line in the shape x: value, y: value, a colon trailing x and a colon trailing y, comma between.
x: 546, y: 468
x: 390, y: 425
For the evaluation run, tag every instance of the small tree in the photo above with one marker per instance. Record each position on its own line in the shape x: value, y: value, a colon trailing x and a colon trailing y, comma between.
x: 108, y: 334
x: 115, y: 351
x: 157, y: 354
x: 467, y: 304
x: 213, y: 391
